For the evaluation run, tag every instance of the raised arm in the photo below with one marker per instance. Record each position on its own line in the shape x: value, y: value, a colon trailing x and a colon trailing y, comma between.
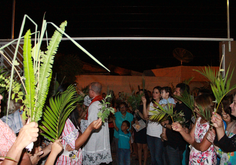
x: 56, y: 149
x: 202, y: 146
x: 82, y: 138
x: 145, y: 108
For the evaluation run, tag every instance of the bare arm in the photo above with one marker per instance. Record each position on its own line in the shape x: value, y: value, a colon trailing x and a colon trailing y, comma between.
x: 218, y: 124
x: 203, y: 146
x: 56, y: 149
x: 28, y: 134
x: 114, y: 122
x: 82, y: 139
x: 145, y: 108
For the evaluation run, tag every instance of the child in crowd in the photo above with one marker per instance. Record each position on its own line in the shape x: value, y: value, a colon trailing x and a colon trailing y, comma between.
x: 166, y: 94
x: 124, y: 143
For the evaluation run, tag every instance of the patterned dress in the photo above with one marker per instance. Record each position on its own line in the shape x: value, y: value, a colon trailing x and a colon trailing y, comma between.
x: 7, y: 138
x: 197, y: 157
x: 69, y: 135
x: 228, y: 158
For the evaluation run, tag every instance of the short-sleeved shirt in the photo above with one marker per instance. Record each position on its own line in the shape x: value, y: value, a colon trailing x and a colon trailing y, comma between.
x: 124, y: 139
x: 170, y: 100
x: 14, y: 121
x: 119, y: 119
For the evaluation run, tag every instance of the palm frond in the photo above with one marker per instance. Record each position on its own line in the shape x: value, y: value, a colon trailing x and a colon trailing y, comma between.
x: 208, y: 73
x: 164, y: 113
x: 46, y: 70
x: 220, y: 85
x: 57, y: 112
x: 29, y: 76
x: 187, y: 81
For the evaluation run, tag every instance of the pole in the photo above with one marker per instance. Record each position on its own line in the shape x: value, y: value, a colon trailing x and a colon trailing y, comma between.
x: 13, y: 19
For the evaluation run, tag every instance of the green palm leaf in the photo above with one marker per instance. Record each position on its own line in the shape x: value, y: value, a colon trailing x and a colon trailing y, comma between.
x: 46, y: 70
x: 29, y: 76
x: 220, y: 85
x: 57, y: 112
x: 164, y: 113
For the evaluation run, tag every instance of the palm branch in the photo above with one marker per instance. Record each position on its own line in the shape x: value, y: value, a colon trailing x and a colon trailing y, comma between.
x: 56, y: 114
x: 220, y: 85
x: 161, y: 114
x: 187, y: 81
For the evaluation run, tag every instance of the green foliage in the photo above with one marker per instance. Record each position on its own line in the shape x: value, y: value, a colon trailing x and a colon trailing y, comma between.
x: 45, y: 71
x: 29, y: 101
x: 161, y: 114
x: 105, y: 109
x: 17, y: 93
x: 220, y: 85
x: 187, y: 81
x: 134, y: 100
x: 56, y: 114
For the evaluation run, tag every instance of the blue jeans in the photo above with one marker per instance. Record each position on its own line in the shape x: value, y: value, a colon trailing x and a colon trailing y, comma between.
x: 156, y: 147
x: 124, y: 156
x: 173, y: 156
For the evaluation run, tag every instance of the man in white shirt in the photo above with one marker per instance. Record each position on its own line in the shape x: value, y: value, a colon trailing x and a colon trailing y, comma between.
x: 97, y: 149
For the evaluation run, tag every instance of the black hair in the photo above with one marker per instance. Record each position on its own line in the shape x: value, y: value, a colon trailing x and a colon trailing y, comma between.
x: 167, y: 90
x: 127, y: 123
x: 204, y: 90
x: 158, y: 88
x: 183, y: 87
x: 125, y: 104
x: 74, y: 116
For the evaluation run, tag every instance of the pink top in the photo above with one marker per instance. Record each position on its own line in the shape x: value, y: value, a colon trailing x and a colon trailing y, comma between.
x: 7, y: 137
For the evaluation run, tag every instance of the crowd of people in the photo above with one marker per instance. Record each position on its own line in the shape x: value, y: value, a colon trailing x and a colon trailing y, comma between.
x: 87, y: 140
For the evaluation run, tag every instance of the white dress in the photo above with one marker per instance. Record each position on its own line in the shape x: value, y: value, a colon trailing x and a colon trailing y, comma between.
x: 97, y: 149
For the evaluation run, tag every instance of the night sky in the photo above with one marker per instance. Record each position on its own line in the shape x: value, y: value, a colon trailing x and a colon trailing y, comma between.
x: 130, y: 19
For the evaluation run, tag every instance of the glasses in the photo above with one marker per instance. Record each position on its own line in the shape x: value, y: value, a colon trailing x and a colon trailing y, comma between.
x: 122, y: 107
